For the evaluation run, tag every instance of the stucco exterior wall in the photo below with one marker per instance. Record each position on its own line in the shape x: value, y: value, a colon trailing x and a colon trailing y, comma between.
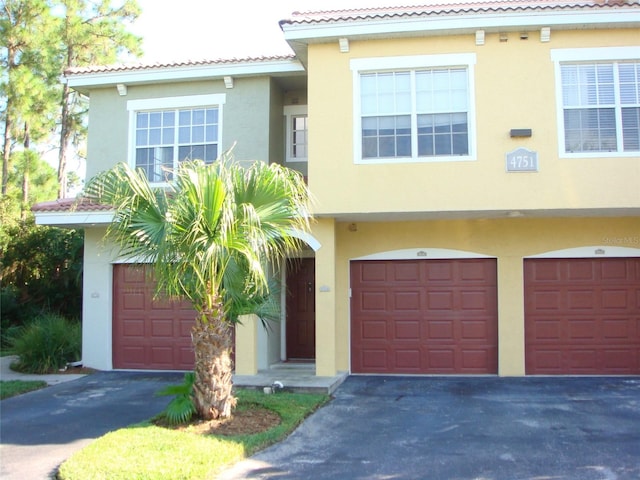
x: 508, y: 240
x: 510, y: 93
x: 247, y: 113
x: 97, y: 303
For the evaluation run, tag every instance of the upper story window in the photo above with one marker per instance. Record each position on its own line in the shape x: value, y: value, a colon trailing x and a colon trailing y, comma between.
x: 599, y: 114
x: 297, y: 133
x: 414, y: 108
x: 167, y: 131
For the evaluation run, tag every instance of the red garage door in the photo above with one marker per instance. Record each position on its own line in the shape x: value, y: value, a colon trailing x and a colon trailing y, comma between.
x: 148, y: 333
x: 424, y: 316
x: 582, y: 316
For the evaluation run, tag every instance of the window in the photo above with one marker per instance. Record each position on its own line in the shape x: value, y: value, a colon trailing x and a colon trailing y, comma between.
x: 599, y: 101
x: 297, y: 133
x: 420, y: 113
x: 164, y: 137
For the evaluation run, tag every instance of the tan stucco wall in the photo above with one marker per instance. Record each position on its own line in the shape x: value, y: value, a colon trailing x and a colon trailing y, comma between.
x: 508, y: 240
x: 510, y: 93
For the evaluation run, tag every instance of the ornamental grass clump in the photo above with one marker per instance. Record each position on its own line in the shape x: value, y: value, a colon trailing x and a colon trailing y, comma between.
x: 46, y: 344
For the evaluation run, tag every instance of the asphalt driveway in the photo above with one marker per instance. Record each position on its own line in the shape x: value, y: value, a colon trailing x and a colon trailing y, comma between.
x: 482, y: 428
x: 40, y: 429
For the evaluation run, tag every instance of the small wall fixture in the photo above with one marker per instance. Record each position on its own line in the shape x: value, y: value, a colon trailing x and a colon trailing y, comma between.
x: 504, y: 37
x: 545, y: 34
x: 122, y: 89
x: 520, y: 132
x: 479, y: 37
x: 344, y: 45
x: 228, y: 82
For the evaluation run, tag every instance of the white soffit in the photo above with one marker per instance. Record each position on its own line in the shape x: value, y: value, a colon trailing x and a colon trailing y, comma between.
x: 74, y: 218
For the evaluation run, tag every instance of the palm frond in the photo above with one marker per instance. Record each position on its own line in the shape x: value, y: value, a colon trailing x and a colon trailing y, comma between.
x: 213, y: 231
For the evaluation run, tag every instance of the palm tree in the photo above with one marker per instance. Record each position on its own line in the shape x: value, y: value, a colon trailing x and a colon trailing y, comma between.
x: 210, y: 235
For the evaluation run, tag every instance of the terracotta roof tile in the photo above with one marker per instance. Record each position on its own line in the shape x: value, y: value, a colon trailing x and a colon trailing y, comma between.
x: 130, y: 67
x: 451, y: 8
x: 70, y: 205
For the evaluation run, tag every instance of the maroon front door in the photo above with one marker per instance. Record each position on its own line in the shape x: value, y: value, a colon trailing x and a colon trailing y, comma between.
x: 301, y: 309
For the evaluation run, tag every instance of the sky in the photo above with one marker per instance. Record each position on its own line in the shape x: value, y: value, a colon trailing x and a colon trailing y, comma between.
x: 174, y: 30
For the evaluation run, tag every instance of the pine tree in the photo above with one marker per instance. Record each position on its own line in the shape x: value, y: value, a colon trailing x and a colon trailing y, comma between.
x: 28, y: 79
x: 91, y: 33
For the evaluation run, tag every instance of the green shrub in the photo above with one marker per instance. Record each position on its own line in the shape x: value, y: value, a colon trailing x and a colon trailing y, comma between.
x: 181, y: 408
x: 46, y: 344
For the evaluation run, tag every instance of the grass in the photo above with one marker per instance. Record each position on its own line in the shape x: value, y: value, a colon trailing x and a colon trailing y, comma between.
x: 149, y: 452
x: 11, y: 388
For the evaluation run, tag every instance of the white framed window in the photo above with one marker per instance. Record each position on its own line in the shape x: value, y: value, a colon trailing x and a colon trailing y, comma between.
x: 167, y: 131
x: 414, y: 109
x: 296, y: 130
x: 598, y: 101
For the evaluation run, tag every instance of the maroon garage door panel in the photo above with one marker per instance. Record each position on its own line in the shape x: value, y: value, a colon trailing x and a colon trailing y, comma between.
x: 582, y: 316
x: 148, y: 333
x: 424, y: 316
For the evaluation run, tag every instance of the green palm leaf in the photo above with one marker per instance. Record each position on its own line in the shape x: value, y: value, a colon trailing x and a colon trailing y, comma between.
x: 211, y: 236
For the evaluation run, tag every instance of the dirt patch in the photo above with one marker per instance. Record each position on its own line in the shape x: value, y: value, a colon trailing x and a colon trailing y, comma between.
x: 248, y: 421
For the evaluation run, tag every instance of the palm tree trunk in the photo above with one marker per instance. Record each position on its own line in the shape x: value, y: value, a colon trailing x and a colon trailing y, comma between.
x: 212, y: 343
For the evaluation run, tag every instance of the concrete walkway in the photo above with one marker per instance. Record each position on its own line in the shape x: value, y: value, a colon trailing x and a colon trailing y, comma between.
x: 7, y: 374
x: 294, y: 377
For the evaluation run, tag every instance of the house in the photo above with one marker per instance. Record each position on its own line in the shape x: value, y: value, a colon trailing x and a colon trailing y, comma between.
x: 476, y: 169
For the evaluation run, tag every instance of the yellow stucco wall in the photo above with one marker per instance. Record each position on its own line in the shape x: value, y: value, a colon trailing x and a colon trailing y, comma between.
x: 508, y: 240
x: 510, y: 93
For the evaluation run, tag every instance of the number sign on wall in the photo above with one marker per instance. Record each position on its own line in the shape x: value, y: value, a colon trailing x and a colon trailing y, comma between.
x: 522, y: 160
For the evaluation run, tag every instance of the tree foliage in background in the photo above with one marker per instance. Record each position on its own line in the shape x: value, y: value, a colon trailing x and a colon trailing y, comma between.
x: 92, y: 33
x: 40, y: 40
x: 41, y: 272
x: 31, y: 180
x: 28, y: 76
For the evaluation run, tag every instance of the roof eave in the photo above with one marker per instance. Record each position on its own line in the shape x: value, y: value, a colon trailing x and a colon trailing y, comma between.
x: 83, y: 82
x: 300, y: 35
x: 77, y: 219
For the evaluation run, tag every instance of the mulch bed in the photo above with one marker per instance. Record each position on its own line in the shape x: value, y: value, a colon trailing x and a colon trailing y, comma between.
x: 248, y: 421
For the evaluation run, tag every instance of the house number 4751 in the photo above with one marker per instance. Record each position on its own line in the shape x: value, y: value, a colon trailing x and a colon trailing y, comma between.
x: 522, y: 160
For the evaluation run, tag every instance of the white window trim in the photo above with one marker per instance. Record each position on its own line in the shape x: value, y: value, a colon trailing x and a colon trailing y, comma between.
x: 167, y: 103
x: 291, y: 111
x: 376, y: 64
x: 600, y: 54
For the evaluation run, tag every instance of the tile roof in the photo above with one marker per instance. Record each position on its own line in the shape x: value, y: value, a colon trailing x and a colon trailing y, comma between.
x: 70, y: 205
x: 131, y: 67
x: 450, y: 8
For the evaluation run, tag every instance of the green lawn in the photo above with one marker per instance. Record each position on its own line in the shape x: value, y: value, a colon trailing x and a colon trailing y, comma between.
x: 149, y: 452
x: 11, y: 388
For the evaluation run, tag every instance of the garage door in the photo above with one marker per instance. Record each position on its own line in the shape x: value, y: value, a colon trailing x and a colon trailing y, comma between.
x: 424, y: 316
x: 148, y: 333
x: 582, y: 316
